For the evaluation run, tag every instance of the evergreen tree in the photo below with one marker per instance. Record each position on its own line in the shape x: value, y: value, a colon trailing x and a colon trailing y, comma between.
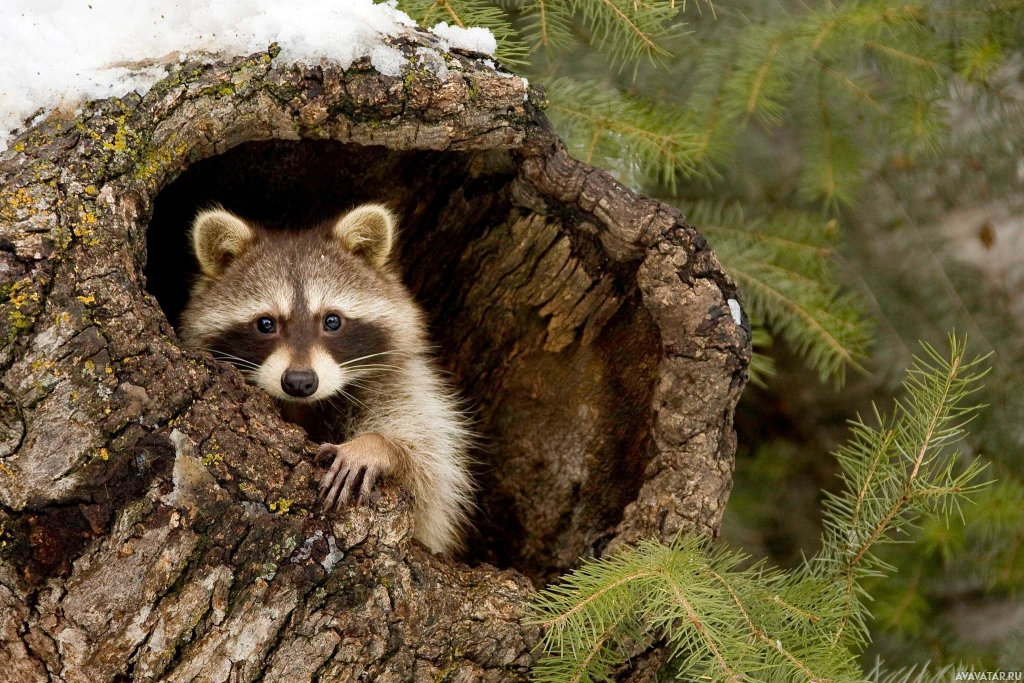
x: 819, y: 145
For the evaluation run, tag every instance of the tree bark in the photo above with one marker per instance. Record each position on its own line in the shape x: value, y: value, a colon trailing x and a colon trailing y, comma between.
x: 157, y: 516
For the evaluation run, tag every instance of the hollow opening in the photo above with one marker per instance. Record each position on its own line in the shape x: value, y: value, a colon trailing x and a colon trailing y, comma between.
x: 286, y: 185
x: 565, y: 427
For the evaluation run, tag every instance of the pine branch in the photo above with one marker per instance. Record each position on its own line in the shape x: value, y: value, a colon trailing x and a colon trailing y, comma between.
x: 979, y: 61
x: 757, y: 633
x: 896, y: 53
x: 785, y: 270
x: 725, y: 623
x: 701, y: 628
x: 880, y: 71
x: 625, y: 30
x: 911, y: 674
x: 713, y: 122
x: 697, y: 6
x: 547, y: 25
x: 717, y: 619
x: 622, y: 133
x: 896, y: 472
x: 832, y: 165
x: 762, y: 366
x: 466, y: 13
x: 887, y: 66
x: 757, y: 97
x: 759, y: 83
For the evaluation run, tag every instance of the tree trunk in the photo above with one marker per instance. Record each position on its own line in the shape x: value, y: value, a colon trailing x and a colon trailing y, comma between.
x: 157, y: 517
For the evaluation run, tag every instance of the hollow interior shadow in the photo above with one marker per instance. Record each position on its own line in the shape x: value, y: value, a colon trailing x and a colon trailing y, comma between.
x: 447, y: 203
x: 291, y: 185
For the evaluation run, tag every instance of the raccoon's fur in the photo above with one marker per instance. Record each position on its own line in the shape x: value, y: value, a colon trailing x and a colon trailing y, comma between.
x: 321, y: 321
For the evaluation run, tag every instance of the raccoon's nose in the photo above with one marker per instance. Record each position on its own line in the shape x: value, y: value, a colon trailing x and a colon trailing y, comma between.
x: 299, y: 383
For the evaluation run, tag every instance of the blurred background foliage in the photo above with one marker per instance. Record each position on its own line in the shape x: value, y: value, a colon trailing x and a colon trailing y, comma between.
x: 858, y: 167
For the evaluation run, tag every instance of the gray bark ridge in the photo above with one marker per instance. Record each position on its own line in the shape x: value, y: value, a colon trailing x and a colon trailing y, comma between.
x: 158, y: 518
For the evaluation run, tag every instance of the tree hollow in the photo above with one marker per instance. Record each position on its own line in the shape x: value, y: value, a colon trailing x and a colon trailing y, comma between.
x: 158, y: 516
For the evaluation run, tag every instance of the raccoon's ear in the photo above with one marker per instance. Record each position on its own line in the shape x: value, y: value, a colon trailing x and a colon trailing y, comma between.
x: 219, y: 237
x: 367, y: 231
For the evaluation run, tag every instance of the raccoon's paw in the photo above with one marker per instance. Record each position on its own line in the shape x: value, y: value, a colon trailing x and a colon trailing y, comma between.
x: 358, y: 463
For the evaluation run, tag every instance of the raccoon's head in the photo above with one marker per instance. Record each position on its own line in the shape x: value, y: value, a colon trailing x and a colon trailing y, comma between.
x: 303, y: 314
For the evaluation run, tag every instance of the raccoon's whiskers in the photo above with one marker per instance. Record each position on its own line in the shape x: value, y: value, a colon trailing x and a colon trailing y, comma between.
x: 368, y: 390
x: 333, y: 401
x: 351, y: 397
x: 380, y: 368
x: 240, y: 366
x: 234, y: 360
x: 373, y: 366
x: 382, y: 353
x: 372, y: 355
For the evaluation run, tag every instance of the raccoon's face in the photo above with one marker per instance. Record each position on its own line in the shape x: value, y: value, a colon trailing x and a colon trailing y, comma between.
x: 302, y: 314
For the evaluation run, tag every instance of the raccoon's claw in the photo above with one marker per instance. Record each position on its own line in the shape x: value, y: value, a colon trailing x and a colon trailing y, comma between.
x: 352, y: 475
x: 325, y: 451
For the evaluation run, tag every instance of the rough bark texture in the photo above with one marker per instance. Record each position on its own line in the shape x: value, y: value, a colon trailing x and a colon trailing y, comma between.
x: 157, y: 517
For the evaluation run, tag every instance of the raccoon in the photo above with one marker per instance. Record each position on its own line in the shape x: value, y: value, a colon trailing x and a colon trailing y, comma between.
x: 320, y: 320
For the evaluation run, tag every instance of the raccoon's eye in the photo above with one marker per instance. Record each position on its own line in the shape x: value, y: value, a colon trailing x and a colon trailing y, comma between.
x: 332, y: 323
x: 265, y: 325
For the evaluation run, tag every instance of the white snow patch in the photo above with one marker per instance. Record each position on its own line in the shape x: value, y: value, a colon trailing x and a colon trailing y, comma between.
x: 387, y: 60
x: 433, y: 61
x: 489, y: 63
x: 472, y: 39
x: 737, y: 313
x: 56, y: 54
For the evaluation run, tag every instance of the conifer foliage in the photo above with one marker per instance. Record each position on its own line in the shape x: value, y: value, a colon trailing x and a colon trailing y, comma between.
x: 676, y: 96
x: 723, y: 622
x: 784, y: 265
